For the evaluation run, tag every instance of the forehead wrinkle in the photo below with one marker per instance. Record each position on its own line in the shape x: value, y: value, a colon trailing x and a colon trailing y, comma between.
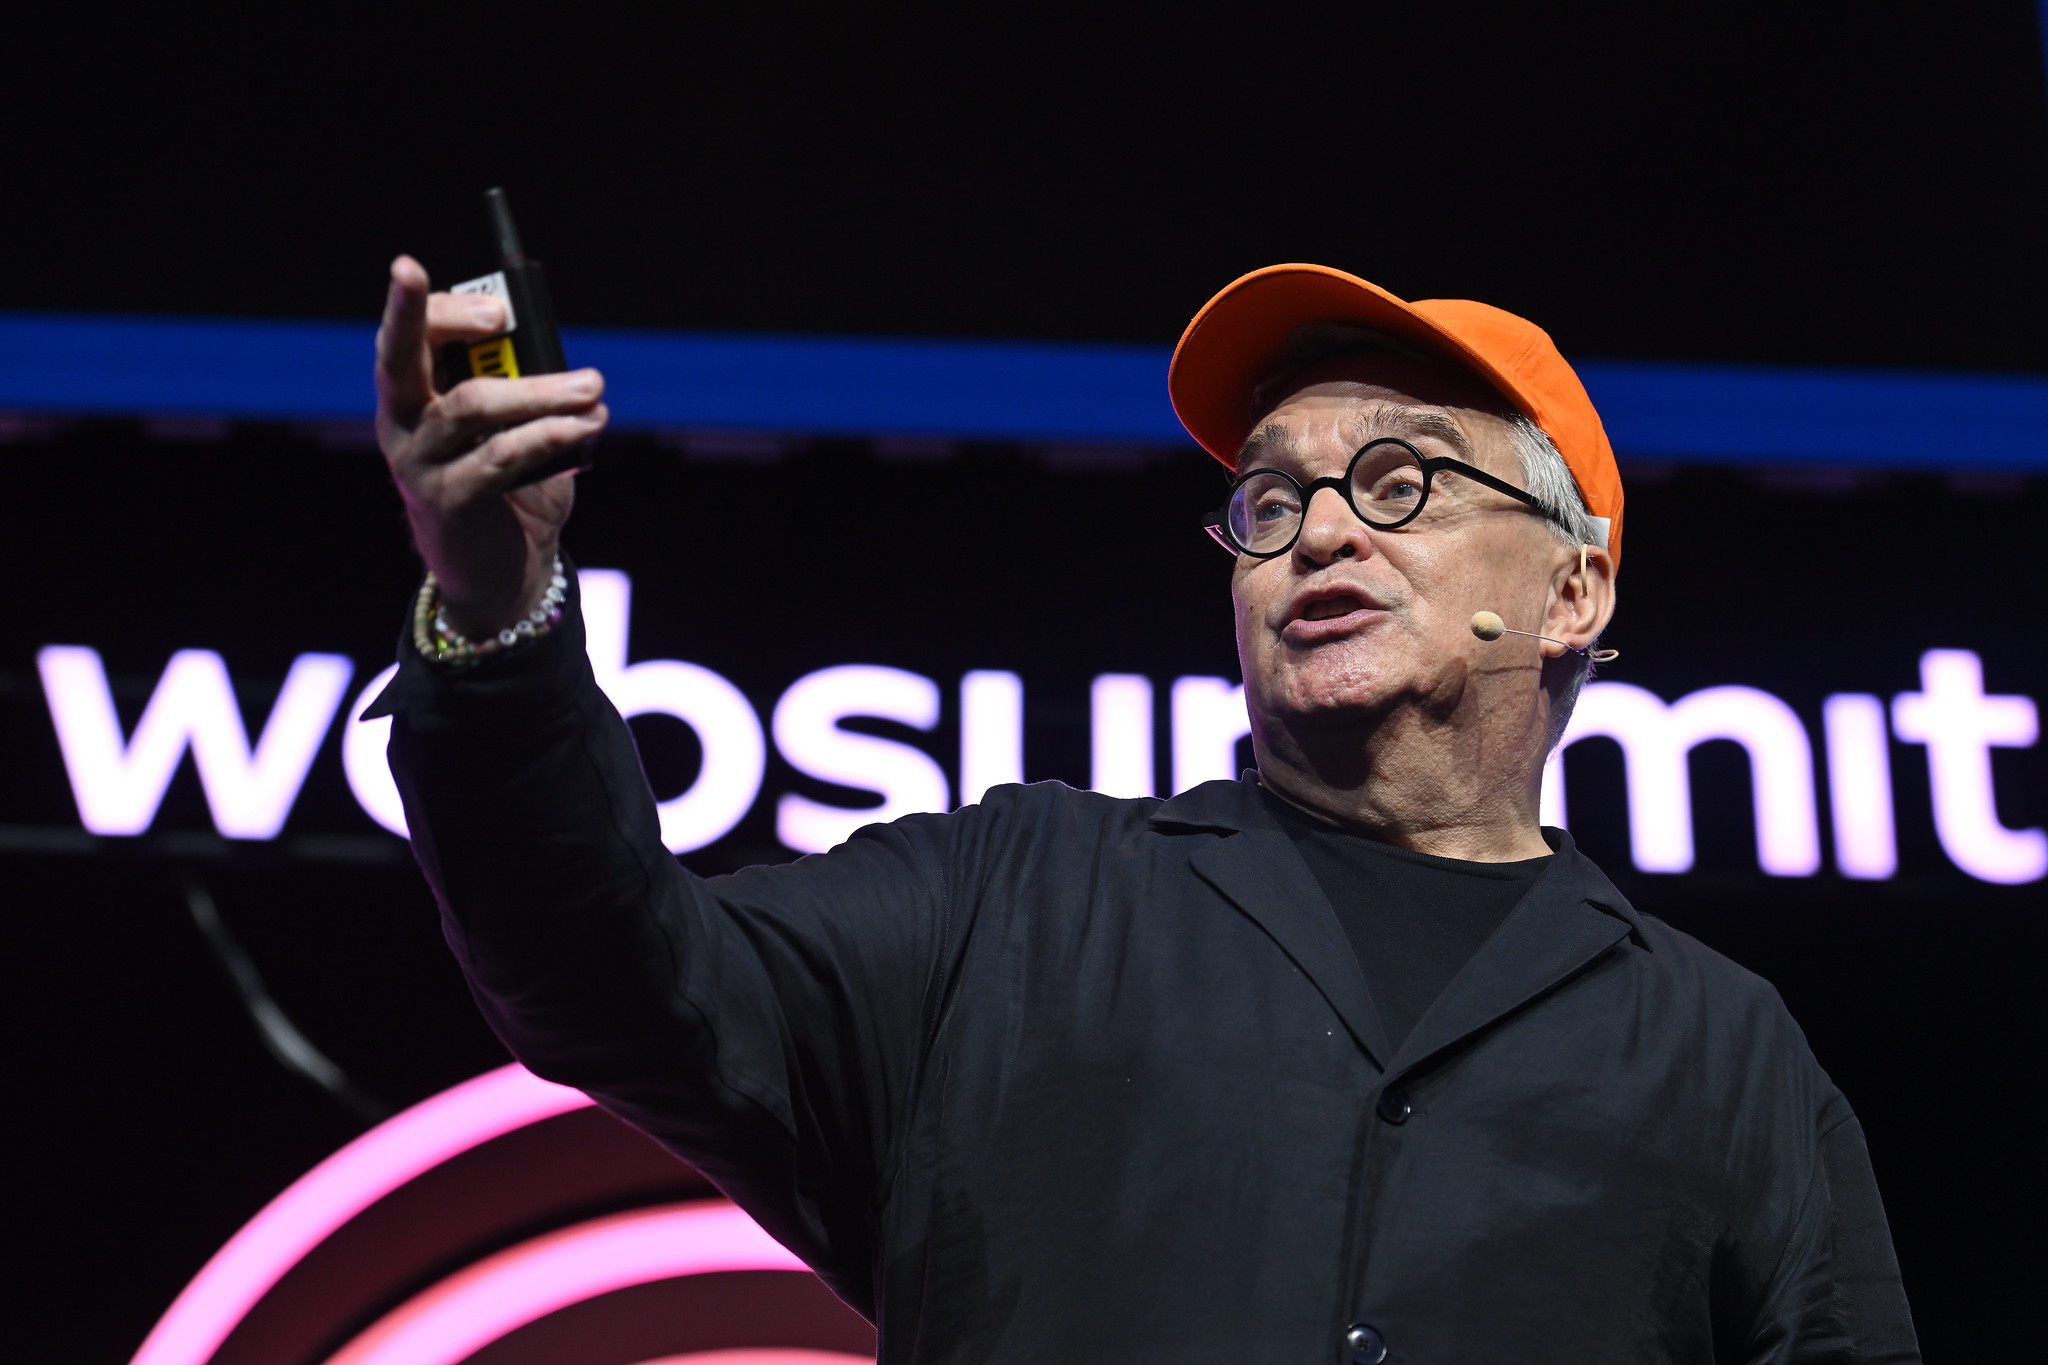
x: 1353, y: 428
x: 1382, y: 418
x: 1271, y: 440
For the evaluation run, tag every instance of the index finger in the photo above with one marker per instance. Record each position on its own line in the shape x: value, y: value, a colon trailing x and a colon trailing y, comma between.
x: 405, y: 378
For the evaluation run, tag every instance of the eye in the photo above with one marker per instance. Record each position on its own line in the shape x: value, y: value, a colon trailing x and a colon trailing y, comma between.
x: 1395, y: 487
x: 1387, y: 475
x: 1270, y: 500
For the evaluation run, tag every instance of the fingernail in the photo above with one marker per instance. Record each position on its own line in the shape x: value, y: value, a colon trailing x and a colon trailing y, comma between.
x: 584, y: 383
x: 486, y: 313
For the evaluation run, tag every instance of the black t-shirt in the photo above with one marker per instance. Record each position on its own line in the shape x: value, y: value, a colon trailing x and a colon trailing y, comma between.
x: 1413, y: 919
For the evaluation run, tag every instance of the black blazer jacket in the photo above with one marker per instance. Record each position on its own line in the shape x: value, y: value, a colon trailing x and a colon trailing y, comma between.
x: 1061, y: 1078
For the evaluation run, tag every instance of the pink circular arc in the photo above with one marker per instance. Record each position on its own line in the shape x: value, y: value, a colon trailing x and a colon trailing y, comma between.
x: 477, y: 1305
x: 328, y: 1196
x: 763, y: 1355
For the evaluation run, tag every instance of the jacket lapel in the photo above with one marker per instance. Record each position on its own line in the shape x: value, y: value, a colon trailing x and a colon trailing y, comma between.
x: 1257, y: 867
x: 1570, y: 917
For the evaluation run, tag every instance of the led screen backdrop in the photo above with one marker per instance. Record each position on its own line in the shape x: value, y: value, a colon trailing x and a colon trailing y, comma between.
x: 879, y: 574
x: 1819, y: 752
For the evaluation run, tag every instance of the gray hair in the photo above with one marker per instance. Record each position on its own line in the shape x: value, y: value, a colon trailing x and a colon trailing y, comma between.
x: 1545, y: 475
x: 1549, y: 480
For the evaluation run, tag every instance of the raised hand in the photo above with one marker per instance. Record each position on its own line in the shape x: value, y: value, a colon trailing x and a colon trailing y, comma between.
x: 461, y: 458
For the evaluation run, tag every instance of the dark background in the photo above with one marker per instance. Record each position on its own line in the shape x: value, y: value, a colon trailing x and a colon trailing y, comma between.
x: 1805, y: 182
x: 1796, y: 183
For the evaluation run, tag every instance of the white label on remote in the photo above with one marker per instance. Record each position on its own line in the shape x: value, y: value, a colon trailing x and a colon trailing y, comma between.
x: 491, y: 286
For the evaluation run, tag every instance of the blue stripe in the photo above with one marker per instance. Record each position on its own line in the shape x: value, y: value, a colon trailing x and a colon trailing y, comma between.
x: 1754, y: 414
x: 1007, y: 391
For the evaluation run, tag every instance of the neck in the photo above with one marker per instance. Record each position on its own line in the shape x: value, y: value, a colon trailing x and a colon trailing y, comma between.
x: 1420, y: 782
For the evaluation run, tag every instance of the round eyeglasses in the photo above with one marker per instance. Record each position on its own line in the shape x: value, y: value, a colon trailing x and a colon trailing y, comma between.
x: 1386, y: 486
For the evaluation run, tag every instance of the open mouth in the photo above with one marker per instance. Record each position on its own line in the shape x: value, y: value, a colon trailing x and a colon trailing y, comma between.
x: 1330, y: 608
x: 1331, y: 614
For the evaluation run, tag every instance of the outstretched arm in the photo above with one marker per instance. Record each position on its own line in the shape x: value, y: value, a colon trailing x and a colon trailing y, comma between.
x: 765, y: 1026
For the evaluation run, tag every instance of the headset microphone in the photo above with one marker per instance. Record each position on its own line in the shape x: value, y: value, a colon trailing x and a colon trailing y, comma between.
x: 1488, y: 626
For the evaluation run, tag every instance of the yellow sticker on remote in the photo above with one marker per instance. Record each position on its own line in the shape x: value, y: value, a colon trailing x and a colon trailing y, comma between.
x: 494, y: 359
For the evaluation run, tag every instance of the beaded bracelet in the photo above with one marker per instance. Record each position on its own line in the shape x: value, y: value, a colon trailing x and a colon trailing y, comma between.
x: 439, y: 643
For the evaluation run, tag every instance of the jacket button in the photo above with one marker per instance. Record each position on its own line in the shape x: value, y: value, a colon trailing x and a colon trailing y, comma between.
x: 1364, y: 1344
x: 1393, y: 1106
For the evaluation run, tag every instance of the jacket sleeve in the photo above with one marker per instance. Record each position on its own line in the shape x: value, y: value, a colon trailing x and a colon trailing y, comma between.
x: 765, y: 1026
x: 1837, y: 1296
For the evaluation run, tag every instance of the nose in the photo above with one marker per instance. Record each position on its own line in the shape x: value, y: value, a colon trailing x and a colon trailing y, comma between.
x: 1330, y: 530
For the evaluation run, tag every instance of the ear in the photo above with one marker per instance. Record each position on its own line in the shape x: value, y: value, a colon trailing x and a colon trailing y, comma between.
x: 1581, y: 597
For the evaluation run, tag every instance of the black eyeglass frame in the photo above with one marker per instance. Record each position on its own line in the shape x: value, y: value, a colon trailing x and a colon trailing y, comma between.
x: 1217, y: 523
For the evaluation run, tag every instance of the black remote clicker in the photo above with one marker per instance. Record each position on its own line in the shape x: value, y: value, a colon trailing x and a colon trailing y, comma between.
x: 530, y: 343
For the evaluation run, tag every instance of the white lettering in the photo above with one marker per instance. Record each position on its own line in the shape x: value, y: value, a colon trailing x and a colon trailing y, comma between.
x: 363, y: 759
x: 119, y: 785
x: 1655, y: 740
x: 807, y: 732
x: 1959, y: 725
x: 1550, y: 799
x: 991, y: 732
x: 1120, y: 735
x: 728, y: 730
x: 1860, y: 786
x: 1208, y: 720
x: 119, y: 782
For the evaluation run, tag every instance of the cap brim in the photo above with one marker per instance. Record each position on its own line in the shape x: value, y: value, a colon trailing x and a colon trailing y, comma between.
x: 1240, y: 335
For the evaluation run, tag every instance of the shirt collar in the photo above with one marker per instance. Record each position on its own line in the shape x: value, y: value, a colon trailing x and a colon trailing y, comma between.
x: 1233, y: 806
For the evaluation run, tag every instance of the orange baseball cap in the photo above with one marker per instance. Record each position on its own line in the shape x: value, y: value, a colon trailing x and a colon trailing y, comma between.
x: 1241, y: 335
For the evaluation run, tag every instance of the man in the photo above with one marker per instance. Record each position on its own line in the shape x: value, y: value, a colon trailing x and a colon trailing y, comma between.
x: 1346, y: 1061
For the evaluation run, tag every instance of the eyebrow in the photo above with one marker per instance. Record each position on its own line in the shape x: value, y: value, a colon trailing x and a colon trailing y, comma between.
x: 1272, y: 440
